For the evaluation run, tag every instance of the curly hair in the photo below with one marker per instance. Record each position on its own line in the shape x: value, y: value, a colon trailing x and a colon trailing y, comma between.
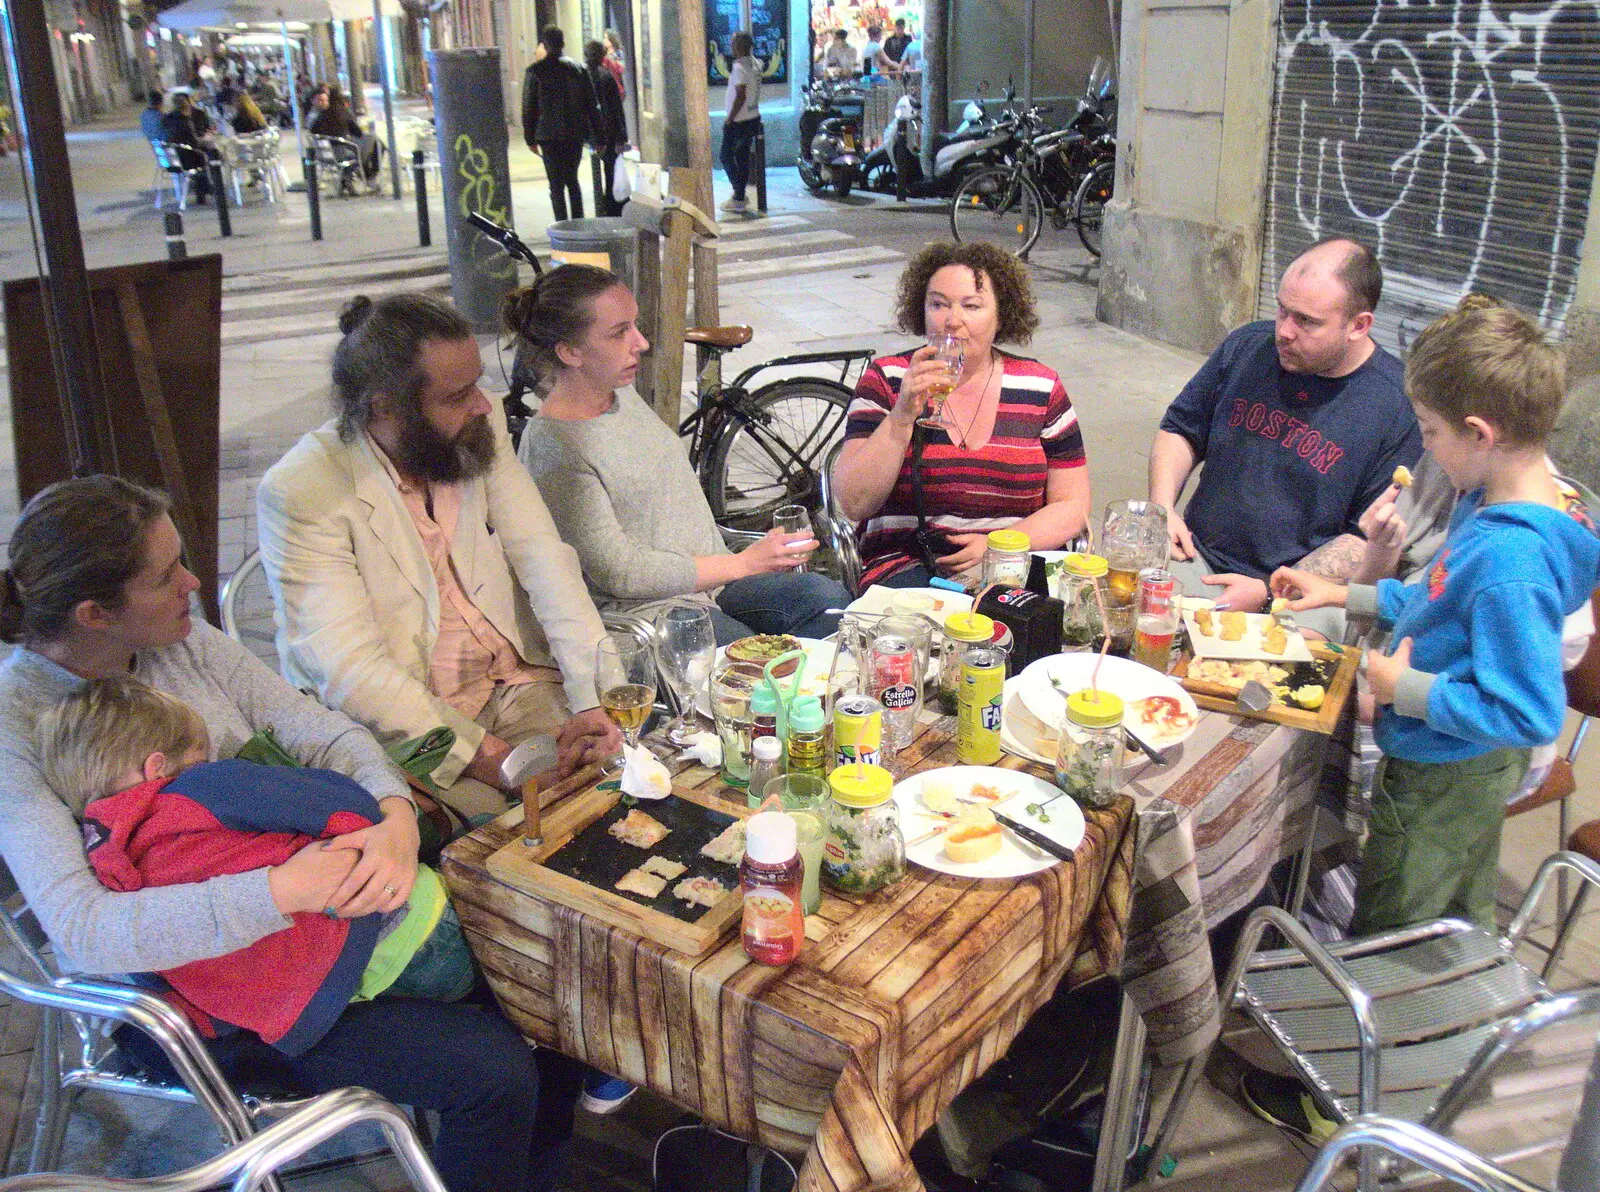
x: 990, y: 265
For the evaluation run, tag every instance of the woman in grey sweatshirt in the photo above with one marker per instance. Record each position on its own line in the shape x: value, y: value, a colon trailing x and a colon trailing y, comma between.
x: 96, y: 587
x: 619, y: 484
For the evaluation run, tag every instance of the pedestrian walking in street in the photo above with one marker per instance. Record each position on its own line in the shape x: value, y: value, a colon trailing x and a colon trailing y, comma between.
x: 744, y: 119
x: 612, y: 135
x: 559, y: 115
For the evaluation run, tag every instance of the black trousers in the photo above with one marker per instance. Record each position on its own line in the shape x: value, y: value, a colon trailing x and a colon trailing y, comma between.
x: 604, y: 202
x: 561, y: 161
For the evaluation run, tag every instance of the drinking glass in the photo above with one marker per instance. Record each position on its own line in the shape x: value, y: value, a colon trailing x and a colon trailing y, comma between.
x: 952, y: 353
x: 687, y: 645
x: 897, y: 666
x: 805, y: 797
x: 731, y: 685
x: 625, y: 677
x: 1133, y: 536
x: 795, y: 519
x: 1157, y: 625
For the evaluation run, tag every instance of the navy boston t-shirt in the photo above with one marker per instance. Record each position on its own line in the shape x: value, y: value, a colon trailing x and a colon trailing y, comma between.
x: 1291, y: 459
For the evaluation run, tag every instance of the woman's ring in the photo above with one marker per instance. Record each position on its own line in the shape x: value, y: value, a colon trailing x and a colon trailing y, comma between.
x: 389, y: 891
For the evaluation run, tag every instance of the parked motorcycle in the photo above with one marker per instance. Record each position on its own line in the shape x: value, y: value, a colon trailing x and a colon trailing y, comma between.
x: 894, y: 167
x: 830, y: 136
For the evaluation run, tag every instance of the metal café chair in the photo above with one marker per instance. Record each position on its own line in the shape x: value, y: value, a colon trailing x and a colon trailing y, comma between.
x: 1407, y: 1023
x: 339, y: 165
x: 254, y: 158
x: 252, y: 1163
x: 169, y: 161
x: 840, y: 529
x: 1443, y: 1157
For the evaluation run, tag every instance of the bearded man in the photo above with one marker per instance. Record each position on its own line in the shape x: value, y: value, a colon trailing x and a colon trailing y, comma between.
x: 417, y: 576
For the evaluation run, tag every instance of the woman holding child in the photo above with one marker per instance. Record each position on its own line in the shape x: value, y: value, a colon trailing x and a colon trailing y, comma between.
x: 97, y: 589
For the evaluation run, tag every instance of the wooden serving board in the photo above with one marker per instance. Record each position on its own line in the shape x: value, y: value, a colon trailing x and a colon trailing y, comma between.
x: 579, y: 862
x: 1224, y: 699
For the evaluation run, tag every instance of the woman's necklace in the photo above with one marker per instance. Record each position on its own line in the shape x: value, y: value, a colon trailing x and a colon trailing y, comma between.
x: 963, y: 436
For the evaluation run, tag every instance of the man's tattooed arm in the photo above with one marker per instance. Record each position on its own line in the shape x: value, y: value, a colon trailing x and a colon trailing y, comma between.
x: 1336, y: 559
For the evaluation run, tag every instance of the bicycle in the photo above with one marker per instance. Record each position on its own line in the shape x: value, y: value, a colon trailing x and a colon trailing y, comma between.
x: 752, y: 450
x: 1063, y: 171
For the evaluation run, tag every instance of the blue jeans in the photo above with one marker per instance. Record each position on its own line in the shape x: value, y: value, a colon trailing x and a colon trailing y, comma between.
x: 506, y: 1110
x: 778, y: 602
x: 736, y: 138
x: 442, y: 969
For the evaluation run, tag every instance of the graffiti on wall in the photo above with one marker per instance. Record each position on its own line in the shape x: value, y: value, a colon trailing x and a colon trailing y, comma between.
x: 1457, y: 137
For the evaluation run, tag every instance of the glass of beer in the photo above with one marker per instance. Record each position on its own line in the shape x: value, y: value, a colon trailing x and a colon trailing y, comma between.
x: 952, y: 353
x: 625, y: 677
x: 1133, y: 536
x: 1157, y: 623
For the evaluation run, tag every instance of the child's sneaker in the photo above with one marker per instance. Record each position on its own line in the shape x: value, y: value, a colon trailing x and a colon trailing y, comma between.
x: 734, y: 206
x: 604, y: 1094
x: 1284, y: 1102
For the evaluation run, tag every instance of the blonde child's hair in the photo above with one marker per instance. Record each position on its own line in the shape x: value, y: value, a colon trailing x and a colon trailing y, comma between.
x: 1490, y: 361
x: 90, y: 739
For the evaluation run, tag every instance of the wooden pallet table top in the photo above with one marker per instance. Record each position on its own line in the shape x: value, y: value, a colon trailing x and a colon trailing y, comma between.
x: 898, y: 1001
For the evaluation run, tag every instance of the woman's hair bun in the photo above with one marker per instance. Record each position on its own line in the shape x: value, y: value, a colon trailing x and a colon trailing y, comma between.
x: 354, y: 314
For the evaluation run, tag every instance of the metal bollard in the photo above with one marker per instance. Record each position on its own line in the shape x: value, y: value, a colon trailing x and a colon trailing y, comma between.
x: 419, y: 178
x: 219, y: 185
x: 308, y: 164
x: 758, y: 169
x: 177, y: 250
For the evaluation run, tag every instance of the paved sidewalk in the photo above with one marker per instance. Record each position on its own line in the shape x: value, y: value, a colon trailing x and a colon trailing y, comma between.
x: 814, y: 274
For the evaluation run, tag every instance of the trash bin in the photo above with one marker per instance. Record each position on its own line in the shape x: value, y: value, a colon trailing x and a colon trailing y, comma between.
x: 608, y: 242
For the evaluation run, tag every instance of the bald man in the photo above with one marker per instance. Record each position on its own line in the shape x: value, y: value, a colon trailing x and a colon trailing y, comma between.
x: 1300, y: 423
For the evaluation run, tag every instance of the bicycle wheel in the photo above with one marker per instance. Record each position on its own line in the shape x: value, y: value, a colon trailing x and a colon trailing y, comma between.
x: 772, y: 451
x: 999, y: 206
x: 1089, y: 204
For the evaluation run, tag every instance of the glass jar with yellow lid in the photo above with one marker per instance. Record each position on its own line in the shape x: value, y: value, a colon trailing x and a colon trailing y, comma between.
x: 1089, y: 753
x: 1006, y: 560
x: 1083, y: 579
x: 960, y: 631
x: 864, y: 850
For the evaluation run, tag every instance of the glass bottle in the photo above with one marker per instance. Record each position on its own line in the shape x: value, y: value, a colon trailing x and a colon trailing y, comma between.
x: 770, y: 877
x: 864, y: 850
x: 808, y: 746
x: 1089, y: 752
x: 960, y: 631
x: 766, y: 763
x: 763, y: 713
x: 1006, y: 560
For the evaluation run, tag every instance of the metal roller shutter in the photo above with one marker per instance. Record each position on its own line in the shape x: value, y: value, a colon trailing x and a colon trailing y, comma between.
x: 1456, y: 138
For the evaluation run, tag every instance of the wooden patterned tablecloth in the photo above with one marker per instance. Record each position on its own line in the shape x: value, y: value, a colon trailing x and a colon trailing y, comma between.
x: 897, y: 1003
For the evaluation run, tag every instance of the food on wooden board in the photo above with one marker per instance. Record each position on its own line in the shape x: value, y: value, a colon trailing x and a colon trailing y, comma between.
x: 700, y: 891
x: 1310, y: 696
x: 638, y: 881
x: 727, y: 846
x: 638, y: 829
x: 663, y: 867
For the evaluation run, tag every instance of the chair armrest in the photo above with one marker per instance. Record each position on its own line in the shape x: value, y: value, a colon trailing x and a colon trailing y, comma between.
x: 1577, y: 862
x: 737, y: 540
x: 1445, y: 1158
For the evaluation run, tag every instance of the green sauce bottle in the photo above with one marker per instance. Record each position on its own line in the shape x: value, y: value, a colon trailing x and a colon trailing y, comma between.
x: 808, y: 751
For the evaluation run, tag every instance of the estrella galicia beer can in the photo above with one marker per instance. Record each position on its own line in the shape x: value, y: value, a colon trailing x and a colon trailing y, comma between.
x: 857, y: 731
x: 982, y: 692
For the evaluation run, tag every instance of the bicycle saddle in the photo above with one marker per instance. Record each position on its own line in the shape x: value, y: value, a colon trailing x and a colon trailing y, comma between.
x: 719, y: 337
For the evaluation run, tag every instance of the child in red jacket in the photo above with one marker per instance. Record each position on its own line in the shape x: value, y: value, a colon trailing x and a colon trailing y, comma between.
x: 159, y: 814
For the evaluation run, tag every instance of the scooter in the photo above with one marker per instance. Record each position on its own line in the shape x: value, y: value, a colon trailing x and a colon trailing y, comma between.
x: 895, y: 168
x: 830, y: 136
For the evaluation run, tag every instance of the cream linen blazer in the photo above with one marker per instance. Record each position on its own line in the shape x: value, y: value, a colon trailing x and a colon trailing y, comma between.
x: 357, y: 606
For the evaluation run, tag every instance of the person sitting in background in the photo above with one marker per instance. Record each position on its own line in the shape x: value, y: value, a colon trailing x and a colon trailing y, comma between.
x: 247, y: 118
x: 1007, y: 452
x: 840, y: 55
x: 619, y: 483
x: 336, y: 119
x: 150, y: 119
x: 611, y: 131
x: 181, y: 127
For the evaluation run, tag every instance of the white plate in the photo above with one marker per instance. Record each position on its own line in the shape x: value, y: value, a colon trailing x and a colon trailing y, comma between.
x: 1206, y: 645
x: 877, y: 598
x: 1016, y: 858
x: 819, y: 657
x: 1119, y: 676
x: 1022, y: 734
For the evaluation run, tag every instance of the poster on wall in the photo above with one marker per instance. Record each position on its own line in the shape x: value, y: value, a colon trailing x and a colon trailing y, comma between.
x: 769, y: 25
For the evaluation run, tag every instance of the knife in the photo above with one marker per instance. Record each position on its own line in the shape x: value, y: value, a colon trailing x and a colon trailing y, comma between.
x: 1033, y: 837
x: 1150, y: 751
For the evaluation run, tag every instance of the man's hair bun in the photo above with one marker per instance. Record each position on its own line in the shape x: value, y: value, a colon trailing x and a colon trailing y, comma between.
x: 354, y: 314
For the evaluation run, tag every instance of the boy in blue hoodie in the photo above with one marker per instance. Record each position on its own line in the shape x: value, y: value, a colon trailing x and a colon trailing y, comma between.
x: 1475, y: 678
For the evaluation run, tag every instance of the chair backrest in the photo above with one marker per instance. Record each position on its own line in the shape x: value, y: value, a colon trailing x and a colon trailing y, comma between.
x: 167, y: 156
x: 1583, y: 680
x: 841, y: 529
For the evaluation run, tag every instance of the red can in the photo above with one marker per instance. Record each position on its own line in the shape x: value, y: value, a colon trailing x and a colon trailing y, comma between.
x: 1158, y: 590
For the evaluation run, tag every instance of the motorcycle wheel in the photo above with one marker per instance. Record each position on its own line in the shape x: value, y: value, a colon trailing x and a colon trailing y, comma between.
x: 1089, y: 204
x: 998, y: 205
x: 878, y: 178
x: 840, y: 186
x: 808, y: 176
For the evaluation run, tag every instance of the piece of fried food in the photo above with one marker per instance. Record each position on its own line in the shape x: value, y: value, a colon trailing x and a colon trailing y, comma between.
x: 637, y: 881
x: 700, y: 891
x: 1402, y: 476
x: 664, y: 867
x: 1275, y: 640
x: 1233, y: 626
x: 1204, y: 623
x: 727, y: 847
x: 638, y: 829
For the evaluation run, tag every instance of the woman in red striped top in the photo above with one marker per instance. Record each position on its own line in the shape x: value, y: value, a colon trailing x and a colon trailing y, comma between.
x: 1007, y: 452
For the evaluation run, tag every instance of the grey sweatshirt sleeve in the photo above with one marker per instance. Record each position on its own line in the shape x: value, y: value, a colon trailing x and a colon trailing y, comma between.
x: 94, y: 929
x: 317, y: 736
x: 622, y: 567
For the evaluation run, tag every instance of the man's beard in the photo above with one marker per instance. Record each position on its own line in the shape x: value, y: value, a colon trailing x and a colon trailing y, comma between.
x: 427, y: 455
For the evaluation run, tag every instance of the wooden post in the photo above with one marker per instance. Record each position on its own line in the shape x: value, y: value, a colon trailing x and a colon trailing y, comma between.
x: 648, y: 295
x: 694, y: 184
x: 667, y: 377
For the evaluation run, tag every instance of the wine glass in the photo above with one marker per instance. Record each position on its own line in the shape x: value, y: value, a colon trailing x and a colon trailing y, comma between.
x: 687, y: 647
x: 794, y: 519
x: 625, y: 677
x: 952, y: 353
